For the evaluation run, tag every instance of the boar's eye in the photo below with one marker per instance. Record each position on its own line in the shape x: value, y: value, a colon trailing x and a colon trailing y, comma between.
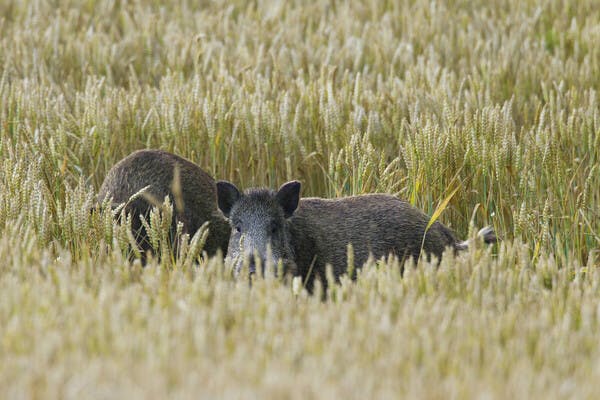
x: 238, y: 228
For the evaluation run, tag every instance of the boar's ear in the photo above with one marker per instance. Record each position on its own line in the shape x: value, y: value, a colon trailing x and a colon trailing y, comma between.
x: 227, y: 196
x: 288, y: 197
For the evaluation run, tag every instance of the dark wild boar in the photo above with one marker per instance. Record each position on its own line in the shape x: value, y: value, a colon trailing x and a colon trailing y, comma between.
x: 194, y: 197
x: 306, y: 234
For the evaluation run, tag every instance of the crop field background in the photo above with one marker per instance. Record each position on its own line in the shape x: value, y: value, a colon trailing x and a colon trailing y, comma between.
x: 495, y: 100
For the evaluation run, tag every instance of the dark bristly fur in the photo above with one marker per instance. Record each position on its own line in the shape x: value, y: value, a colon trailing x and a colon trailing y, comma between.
x: 155, y: 168
x: 319, y: 230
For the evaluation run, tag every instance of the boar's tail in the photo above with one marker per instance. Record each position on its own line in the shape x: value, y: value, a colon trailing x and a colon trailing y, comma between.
x: 487, y: 234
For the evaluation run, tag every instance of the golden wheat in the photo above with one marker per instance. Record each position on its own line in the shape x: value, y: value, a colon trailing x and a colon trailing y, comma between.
x: 480, y: 113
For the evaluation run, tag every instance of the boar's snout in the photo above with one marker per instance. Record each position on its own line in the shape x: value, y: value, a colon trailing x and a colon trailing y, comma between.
x: 251, y: 260
x: 252, y: 265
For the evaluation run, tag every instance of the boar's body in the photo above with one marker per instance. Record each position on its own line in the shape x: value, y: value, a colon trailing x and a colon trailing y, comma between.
x: 307, y: 234
x: 155, y: 169
x: 376, y: 224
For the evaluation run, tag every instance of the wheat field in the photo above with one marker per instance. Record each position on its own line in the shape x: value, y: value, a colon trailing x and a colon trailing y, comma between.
x: 494, y: 101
